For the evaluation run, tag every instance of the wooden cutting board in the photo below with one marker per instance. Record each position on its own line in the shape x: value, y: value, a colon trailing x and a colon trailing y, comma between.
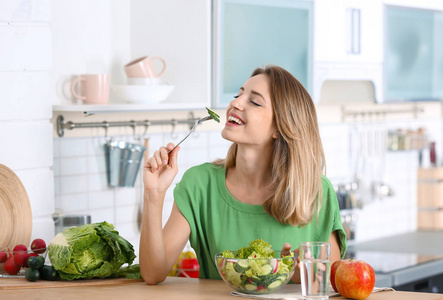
x: 22, y: 283
x: 15, y: 210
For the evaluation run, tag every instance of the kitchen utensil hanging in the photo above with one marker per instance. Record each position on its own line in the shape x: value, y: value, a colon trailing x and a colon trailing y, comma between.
x: 368, y: 148
x: 140, y: 190
x: 15, y: 212
x: 123, y: 161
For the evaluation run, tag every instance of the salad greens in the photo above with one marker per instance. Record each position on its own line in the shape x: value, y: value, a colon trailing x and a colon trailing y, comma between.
x: 257, y: 249
x: 213, y: 115
x: 88, y: 251
x: 255, y: 269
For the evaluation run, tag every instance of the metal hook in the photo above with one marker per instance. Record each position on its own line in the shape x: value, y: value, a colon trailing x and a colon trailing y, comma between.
x: 191, y: 119
x: 173, y: 134
x: 134, y: 125
x: 106, y: 126
x: 147, y: 124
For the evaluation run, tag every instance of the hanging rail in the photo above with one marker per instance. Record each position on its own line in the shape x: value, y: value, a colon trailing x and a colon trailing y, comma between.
x: 62, y: 125
x: 415, y: 111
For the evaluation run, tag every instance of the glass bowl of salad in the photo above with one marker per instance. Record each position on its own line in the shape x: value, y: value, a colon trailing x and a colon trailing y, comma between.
x: 255, y: 272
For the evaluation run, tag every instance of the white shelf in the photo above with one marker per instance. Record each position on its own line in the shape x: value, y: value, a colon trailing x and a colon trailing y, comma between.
x: 125, y: 107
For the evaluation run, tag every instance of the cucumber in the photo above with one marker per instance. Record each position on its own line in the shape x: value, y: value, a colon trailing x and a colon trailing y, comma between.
x: 266, y: 270
x: 242, y: 265
x: 244, y: 279
x: 232, y: 260
x: 213, y: 115
x: 250, y: 287
x: 275, y: 284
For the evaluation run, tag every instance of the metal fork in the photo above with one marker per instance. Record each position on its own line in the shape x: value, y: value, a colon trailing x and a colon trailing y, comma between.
x: 192, y: 130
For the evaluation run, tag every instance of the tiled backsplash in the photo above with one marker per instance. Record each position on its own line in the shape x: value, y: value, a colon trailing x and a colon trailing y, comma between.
x: 81, y: 184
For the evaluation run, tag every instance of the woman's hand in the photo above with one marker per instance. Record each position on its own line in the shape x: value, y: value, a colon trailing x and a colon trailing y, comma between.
x: 159, y: 171
x: 286, y: 250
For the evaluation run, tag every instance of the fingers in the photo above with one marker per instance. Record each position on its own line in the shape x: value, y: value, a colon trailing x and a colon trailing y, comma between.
x: 173, y: 157
x: 297, y: 253
x: 162, y: 158
x: 286, y: 246
x: 286, y: 249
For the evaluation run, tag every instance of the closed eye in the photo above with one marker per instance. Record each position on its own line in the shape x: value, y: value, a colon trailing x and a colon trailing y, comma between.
x: 255, y: 103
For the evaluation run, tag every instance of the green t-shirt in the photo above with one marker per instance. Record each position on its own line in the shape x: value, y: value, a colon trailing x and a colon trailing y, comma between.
x: 219, y: 222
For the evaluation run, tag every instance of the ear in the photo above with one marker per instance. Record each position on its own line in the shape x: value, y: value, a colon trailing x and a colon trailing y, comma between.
x: 275, y: 135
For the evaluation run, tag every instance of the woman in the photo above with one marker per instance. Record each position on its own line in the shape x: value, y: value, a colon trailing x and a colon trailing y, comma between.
x: 267, y: 187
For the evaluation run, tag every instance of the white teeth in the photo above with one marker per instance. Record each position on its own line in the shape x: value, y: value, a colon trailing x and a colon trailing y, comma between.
x: 234, y: 119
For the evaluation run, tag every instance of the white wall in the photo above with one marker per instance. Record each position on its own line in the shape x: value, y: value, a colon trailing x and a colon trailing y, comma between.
x: 25, y: 104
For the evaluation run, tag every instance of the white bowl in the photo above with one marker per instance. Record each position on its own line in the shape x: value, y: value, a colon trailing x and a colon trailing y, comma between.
x: 144, y: 81
x: 147, y: 94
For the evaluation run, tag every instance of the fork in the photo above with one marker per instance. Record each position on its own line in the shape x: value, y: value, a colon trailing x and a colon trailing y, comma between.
x: 192, y: 130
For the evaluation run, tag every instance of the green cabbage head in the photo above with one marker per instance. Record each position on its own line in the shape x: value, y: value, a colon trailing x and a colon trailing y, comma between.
x: 89, y: 251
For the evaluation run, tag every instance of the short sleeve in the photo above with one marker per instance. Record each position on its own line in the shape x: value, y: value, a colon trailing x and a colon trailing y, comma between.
x: 330, y: 199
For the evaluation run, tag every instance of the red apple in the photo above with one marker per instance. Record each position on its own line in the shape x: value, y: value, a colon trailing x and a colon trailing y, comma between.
x: 189, y: 267
x: 355, y: 279
x: 334, y: 267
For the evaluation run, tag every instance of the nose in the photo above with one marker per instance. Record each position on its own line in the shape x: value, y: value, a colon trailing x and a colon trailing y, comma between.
x: 237, y: 103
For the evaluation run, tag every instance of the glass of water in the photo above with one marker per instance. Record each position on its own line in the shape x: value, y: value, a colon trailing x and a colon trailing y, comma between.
x: 315, y: 269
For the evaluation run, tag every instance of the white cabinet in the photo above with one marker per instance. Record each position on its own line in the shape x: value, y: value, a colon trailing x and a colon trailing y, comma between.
x: 413, y: 56
x: 102, y: 37
x: 348, y: 43
x: 348, y: 31
x: 180, y: 32
x: 424, y: 4
x: 255, y: 33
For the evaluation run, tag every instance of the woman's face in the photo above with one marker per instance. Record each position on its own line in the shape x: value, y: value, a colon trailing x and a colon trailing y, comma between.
x: 250, y: 117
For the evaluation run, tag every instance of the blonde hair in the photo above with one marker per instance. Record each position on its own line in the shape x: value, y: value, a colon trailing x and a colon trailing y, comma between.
x: 298, y: 158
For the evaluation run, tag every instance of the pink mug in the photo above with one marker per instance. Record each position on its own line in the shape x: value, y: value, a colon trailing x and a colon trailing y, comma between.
x: 94, y: 88
x: 143, y: 67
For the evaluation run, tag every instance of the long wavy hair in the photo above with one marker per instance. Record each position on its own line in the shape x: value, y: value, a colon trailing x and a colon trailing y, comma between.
x: 298, y: 160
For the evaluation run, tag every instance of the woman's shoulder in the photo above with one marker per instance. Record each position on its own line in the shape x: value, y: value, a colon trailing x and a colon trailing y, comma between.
x: 326, y: 183
x: 205, y: 169
x: 328, y: 190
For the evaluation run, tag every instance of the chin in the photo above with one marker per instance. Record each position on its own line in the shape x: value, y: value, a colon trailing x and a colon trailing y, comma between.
x: 227, y: 136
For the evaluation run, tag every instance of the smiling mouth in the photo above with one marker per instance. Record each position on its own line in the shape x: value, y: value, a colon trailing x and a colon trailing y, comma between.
x: 234, y: 120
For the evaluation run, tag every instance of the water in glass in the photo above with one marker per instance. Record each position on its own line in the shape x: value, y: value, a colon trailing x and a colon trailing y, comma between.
x: 315, y: 278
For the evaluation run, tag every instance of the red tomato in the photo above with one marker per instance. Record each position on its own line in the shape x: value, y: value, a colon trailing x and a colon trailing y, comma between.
x: 189, y: 267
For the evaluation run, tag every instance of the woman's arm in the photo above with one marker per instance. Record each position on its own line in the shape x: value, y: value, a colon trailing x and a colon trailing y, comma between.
x: 160, y: 247
x: 335, y: 254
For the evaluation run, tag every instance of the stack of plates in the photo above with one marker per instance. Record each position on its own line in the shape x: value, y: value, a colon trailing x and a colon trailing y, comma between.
x: 15, y: 211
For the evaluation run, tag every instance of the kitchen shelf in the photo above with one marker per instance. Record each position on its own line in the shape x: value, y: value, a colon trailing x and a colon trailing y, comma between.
x: 124, y: 108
